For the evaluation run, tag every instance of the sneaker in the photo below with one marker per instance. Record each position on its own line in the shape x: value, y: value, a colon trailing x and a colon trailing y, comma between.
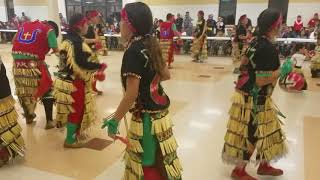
x: 238, y: 174
x: 267, y: 170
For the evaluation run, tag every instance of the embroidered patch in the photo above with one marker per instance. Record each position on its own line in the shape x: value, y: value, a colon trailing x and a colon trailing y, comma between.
x: 27, y: 37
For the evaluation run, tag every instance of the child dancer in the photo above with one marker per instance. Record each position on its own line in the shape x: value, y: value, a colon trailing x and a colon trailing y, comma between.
x: 151, y: 153
x: 31, y: 76
x: 199, y: 45
x: 298, y: 59
x: 254, y: 123
x: 72, y: 89
x: 168, y: 30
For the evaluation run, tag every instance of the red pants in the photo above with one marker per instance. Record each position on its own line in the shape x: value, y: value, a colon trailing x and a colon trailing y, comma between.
x: 78, y: 105
x: 171, y: 54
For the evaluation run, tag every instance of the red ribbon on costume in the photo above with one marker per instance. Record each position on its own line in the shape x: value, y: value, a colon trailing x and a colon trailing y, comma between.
x: 81, y: 23
x: 124, y: 17
x: 277, y: 23
x: 45, y: 83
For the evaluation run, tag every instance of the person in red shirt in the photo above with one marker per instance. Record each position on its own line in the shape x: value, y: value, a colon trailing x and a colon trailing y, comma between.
x: 298, y: 25
x: 314, y: 21
x: 32, y: 42
x: 168, y: 30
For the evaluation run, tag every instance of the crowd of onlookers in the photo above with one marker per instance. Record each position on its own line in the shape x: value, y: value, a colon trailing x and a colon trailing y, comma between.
x: 12, y: 24
x: 299, y: 30
x: 185, y: 25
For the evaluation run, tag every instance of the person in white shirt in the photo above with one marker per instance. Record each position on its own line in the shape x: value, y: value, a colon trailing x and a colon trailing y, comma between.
x: 298, y: 58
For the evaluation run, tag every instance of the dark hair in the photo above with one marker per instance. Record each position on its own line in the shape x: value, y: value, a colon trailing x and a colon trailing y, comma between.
x: 76, y: 39
x: 298, y: 46
x: 265, y: 21
x: 74, y: 20
x: 140, y: 16
x: 55, y: 27
x: 201, y: 13
x: 169, y: 16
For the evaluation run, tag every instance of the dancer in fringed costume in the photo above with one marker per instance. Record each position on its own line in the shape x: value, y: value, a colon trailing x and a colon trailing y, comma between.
x: 240, y: 42
x: 31, y: 76
x: 11, y: 141
x: 168, y: 30
x: 315, y: 60
x: 73, y: 92
x: 199, y: 46
x: 151, y: 151
x: 92, y: 38
x: 254, y: 123
x: 298, y: 59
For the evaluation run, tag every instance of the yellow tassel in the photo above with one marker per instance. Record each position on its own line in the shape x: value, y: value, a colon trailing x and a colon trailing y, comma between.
x: 136, y: 128
x: 168, y: 146
x: 135, y: 146
x: 64, y: 86
x: 161, y: 125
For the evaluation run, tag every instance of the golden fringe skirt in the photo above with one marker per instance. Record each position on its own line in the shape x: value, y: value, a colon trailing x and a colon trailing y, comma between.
x: 62, y: 90
x: 162, y: 129
x: 10, y: 130
x: 199, y: 49
x: 270, y: 140
x: 26, y: 79
x: 167, y: 49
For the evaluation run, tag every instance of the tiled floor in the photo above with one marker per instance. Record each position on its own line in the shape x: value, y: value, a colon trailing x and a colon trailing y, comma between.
x: 200, y: 100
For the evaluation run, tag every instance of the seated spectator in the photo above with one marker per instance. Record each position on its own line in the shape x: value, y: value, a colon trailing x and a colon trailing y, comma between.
x: 304, y: 34
x: 314, y: 21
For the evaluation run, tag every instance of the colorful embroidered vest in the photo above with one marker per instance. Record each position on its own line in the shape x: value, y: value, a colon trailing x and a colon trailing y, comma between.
x: 166, y: 31
x: 32, y: 40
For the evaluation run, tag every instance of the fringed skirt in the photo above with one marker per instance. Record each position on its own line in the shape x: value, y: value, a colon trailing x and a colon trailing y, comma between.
x: 66, y: 104
x: 238, y: 50
x: 248, y: 131
x: 315, y: 63
x: 10, y: 131
x: 167, y: 49
x: 26, y: 77
x: 168, y: 161
x: 199, y: 49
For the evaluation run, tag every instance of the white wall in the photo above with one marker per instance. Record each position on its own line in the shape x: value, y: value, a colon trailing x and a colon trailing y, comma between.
x: 251, y: 9
x: 124, y: 2
x: 162, y: 11
x: 62, y: 7
x: 306, y: 10
x: 34, y: 12
x: 3, y: 14
x: 3, y: 11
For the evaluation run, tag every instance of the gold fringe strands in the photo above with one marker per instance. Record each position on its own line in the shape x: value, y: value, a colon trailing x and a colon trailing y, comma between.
x: 6, y: 104
x: 64, y: 86
x: 237, y: 128
x: 136, y: 127
x: 8, y: 115
x: 162, y: 129
x: 62, y: 93
x: 135, y: 145
x: 161, y: 125
x: 133, y: 168
x: 26, y: 80
x: 83, y: 74
x: 10, y: 130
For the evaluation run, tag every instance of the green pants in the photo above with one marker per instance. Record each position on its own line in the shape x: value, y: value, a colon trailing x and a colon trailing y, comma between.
x: 149, y: 142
